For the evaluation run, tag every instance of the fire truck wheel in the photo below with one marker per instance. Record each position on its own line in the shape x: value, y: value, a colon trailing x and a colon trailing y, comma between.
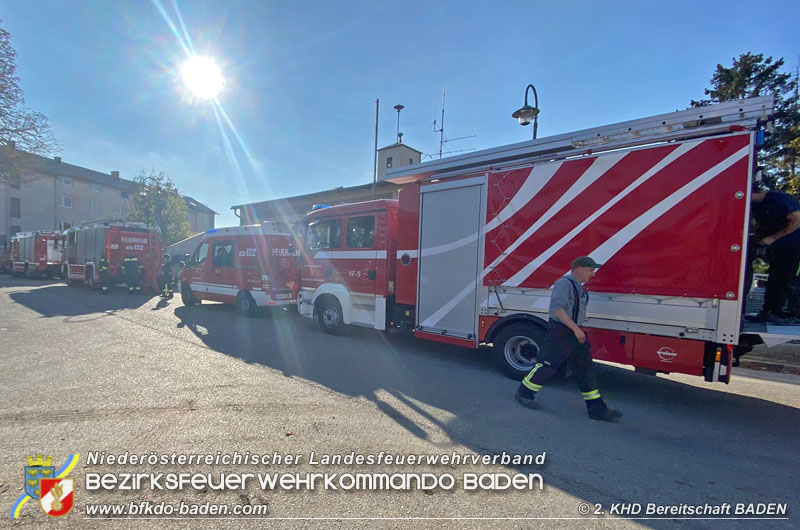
x: 516, y: 348
x: 329, y: 314
x: 245, y: 305
x: 90, y: 279
x: 28, y: 272
x: 187, y: 297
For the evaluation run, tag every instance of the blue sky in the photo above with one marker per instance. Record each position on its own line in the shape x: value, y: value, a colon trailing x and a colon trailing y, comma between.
x: 302, y: 78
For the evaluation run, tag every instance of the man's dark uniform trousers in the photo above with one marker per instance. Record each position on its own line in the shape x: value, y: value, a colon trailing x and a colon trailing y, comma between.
x: 561, y: 345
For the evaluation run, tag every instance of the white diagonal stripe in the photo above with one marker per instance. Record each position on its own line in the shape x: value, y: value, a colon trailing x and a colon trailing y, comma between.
x: 607, y: 250
x: 596, y: 170
x: 537, y: 262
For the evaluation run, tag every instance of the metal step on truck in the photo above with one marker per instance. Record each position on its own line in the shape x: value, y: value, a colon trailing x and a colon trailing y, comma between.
x: 470, y: 251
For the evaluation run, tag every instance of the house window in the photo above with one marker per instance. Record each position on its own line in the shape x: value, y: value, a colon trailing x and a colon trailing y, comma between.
x: 360, y: 232
x: 123, y: 194
x: 63, y: 225
x: 410, y: 161
x: 94, y: 207
x: 95, y: 188
x: 16, y: 207
x: 389, y: 162
x: 65, y: 201
x: 66, y: 181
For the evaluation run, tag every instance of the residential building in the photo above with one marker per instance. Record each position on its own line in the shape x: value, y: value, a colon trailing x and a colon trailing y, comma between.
x: 49, y: 194
x: 201, y: 217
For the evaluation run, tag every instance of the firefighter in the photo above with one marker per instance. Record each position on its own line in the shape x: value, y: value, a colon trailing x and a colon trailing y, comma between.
x: 103, y: 274
x: 566, y: 342
x: 165, y: 282
x: 777, y: 217
x: 131, y: 265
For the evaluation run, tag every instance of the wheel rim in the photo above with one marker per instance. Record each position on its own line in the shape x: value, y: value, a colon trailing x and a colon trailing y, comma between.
x: 244, y: 304
x: 518, y: 352
x: 331, y: 317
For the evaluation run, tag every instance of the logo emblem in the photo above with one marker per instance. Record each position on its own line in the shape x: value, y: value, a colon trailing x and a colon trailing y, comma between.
x: 666, y: 354
x: 50, y: 486
x: 56, y: 499
x: 37, y: 469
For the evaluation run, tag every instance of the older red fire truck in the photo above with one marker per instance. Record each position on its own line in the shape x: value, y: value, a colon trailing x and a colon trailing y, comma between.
x: 37, y: 254
x: 86, y: 244
x: 251, y: 266
x: 469, y: 253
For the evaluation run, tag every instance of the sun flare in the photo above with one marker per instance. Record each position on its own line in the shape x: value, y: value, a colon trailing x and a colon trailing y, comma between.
x: 202, y: 77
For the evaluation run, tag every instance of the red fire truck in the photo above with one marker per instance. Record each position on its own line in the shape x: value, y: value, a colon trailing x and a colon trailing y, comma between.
x: 37, y: 254
x: 469, y: 253
x: 86, y: 244
x: 250, y: 266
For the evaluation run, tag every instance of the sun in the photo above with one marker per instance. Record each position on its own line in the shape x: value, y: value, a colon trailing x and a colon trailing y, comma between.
x: 202, y: 77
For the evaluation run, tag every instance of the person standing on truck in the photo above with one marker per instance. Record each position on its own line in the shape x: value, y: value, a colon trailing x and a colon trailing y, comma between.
x: 777, y: 217
x: 565, y: 341
x: 103, y: 274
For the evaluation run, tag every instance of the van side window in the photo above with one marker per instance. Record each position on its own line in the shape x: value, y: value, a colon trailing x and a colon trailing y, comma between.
x: 222, y: 255
x: 360, y: 232
x: 201, y: 254
x: 324, y: 234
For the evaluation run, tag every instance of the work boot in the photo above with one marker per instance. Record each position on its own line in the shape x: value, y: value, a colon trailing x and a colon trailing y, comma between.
x: 525, y: 397
x: 598, y: 410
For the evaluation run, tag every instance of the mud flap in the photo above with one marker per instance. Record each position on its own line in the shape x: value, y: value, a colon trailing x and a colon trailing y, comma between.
x: 720, y: 371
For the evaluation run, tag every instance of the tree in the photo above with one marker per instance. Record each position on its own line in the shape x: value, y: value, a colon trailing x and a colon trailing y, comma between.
x: 750, y: 76
x: 22, y: 130
x: 159, y: 203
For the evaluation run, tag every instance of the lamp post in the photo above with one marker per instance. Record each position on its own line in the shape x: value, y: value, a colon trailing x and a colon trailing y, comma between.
x: 528, y: 114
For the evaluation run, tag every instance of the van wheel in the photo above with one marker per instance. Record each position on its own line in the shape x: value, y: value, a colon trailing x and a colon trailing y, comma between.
x: 516, y: 348
x: 187, y: 296
x: 245, y: 305
x: 329, y: 315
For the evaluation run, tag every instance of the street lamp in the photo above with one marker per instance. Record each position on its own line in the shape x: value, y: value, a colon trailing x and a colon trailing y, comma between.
x: 528, y: 114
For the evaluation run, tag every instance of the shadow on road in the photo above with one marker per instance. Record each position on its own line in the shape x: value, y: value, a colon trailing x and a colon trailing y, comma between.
x: 55, y: 299
x: 684, y: 443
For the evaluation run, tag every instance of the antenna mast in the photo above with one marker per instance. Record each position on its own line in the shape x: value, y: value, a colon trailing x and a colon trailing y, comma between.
x: 440, y: 130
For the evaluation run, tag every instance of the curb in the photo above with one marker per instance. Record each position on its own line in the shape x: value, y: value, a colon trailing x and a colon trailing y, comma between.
x: 769, y: 366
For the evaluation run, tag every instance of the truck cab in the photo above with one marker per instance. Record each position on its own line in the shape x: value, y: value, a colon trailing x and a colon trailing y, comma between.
x: 249, y: 266
x: 345, y: 276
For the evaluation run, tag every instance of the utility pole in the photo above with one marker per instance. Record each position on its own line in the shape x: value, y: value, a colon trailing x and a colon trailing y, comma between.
x: 375, y: 152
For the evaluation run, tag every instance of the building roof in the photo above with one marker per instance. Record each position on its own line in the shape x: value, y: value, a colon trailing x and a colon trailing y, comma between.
x: 55, y: 167
x: 398, y: 144
x: 308, y: 196
x: 194, y: 204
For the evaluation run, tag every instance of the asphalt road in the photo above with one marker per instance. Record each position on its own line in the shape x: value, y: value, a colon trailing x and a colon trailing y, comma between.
x: 84, y: 372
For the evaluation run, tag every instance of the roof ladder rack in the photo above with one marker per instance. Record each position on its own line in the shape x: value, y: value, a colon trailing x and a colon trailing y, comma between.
x: 689, y: 123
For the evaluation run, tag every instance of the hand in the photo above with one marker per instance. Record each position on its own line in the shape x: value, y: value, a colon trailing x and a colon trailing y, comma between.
x: 580, y: 335
x: 768, y: 240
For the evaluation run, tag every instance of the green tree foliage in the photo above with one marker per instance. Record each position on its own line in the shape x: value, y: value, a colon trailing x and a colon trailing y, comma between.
x: 21, y: 129
x: 159, y: 203
x: 753, y: 75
